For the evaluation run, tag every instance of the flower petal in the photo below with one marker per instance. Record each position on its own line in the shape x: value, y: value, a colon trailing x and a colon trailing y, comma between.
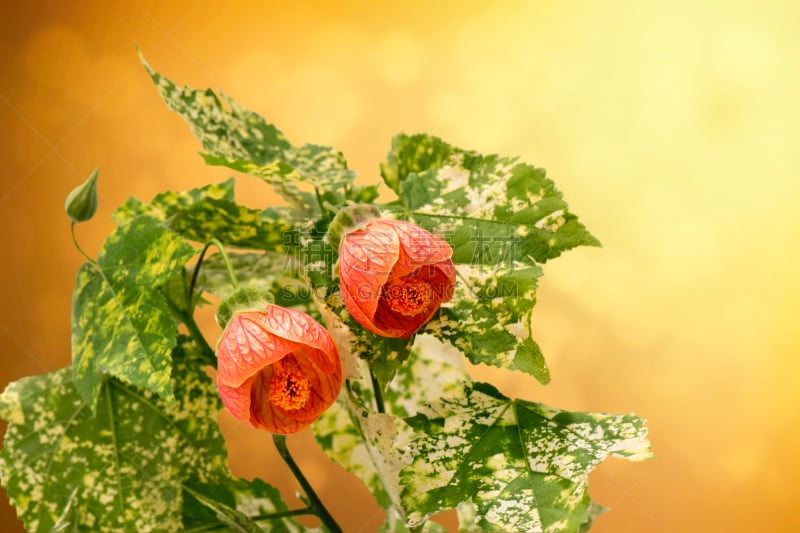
x: 237, y: 399
x: 265, y: 415
x: 441, y: 277
x: 384, y: 251
x: 419, y: 248
x: 246, y: 347
x: 262, y: 413
x: 302, y: 331
x: 324, y: 390
x: 366, y: 259
x: 396, y: 325
x: 254, y: 346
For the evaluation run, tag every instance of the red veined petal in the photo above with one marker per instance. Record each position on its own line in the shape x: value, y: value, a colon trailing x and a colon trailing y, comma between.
x: 246, y: 347
x: 393, y: 324
x: 376, y: 258
x: 303, y: 331
x: 366, y: 259
x: 419, y: 248
x: 255, y: 347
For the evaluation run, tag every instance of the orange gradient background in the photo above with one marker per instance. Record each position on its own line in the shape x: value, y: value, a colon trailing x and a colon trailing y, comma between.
x: 671, y: 128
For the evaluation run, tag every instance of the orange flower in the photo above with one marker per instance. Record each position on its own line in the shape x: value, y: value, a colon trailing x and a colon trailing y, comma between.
x: 394, y: 275
x: 277, y: 369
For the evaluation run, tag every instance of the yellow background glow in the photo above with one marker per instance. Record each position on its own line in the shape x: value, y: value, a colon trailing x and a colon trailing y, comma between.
x: 670, y: 127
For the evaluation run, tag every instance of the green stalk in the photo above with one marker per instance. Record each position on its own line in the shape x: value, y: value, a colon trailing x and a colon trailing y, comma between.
x: 282, y: 514
x: 194, y: 331
x: 227, y: 262
x: 199, y: 338
x: 78, y: 246
x: 376, y: 389
x: 316, y: 505
x: 225, y: 259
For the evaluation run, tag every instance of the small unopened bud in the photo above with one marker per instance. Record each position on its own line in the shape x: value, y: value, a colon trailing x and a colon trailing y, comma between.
x: 81, y: 203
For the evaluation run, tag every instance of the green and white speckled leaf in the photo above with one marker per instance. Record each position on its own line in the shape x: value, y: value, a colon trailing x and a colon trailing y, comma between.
x: 491, y: 209
x: 257, y: 499
x: 435, y: 370
x: 502, y: 218
x: 467, y: 517
x: 394, y: 524
x: 278, y: 273
x: 210, y: 212
x: 124, y: 468
x: 121, y: 325
x: 384, y: 355
x: 166, y: 204
x: 346, y: 444
x: 237, y: 505
x: 224, y: 513
x: 240, y: 139
x: 412, y: 154
x: 524, y: 465
x: 370, y: 444
x: 489, y: 318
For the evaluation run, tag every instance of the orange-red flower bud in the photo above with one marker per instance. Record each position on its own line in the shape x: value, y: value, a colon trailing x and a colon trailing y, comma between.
x: 394, y: 275
x: 277, y: 369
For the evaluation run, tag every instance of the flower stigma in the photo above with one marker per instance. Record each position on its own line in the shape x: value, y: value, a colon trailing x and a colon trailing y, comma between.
x: 409, y: 297
x: 289, y: 388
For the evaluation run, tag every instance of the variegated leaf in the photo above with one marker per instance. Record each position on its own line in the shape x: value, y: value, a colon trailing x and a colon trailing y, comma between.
x: 490, y: 317
x: 274, y: 272
x: 524, y: 465
x: 237, y: 505
x: 235, y: 137
x: 492, y: 209
x: 121, y: 325
x: 361, y: 442
x: 394, y: 524
x: 502, y: 218
x: 125, y: 467
x: 435, y: 370
x: 211, y: 212
x: 372, y: 445
x: 468, y: 517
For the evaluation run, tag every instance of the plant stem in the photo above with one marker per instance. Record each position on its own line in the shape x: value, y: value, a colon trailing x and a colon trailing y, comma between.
x: 195, y: 274
x: 225, y: 259
x: 197, y: 335
x: 314, y: 501
x: 78, y: 246
x: 194, y: 331
x: 187, y: 315
x: 282, y: 514
x: 319, y: 201
x: 376, y: 389
x: 227, y: 262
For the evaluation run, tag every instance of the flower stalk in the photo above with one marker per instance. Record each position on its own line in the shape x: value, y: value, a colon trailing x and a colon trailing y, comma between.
x: 225, y: 259
x: 78, y: 246
x: 376, y: 388
x: 315, y: 504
